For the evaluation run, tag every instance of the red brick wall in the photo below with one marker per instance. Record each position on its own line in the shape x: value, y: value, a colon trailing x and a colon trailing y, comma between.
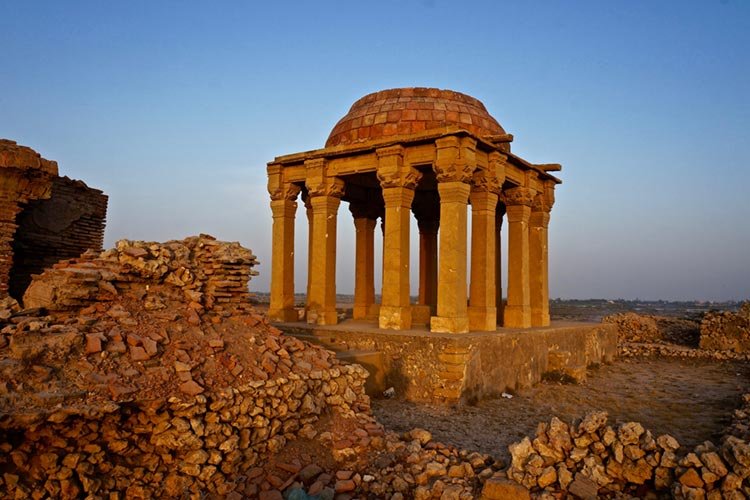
x: 62, y: 227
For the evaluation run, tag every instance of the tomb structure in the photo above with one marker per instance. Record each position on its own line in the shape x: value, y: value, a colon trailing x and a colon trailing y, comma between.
x: 44, y: 218
x: 429, y: 153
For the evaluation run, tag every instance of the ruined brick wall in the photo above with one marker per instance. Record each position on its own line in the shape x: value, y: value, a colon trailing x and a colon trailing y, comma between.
x: 155, y: 378
x: 8, y: 211
x: 727, y: 330
x: 24, y: 176
x: 64, y: 226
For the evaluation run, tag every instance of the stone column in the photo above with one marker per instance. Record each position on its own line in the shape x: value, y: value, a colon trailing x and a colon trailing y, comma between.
x: 325, y: 196
x: 538, y: 258
x: 497, y: 164
x: 428, y: 261
x: 518, y: 206
x: 364, y: 266
x: 482, y: 305
x: 455, y: 162
x: 426, y: 209
x: 309, y: 214
x: 398, y: 182
x: 499, y: 305
x: 284, y: 209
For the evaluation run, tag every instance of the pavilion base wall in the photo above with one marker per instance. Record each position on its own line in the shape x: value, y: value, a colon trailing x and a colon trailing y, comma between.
x: 452, y: 368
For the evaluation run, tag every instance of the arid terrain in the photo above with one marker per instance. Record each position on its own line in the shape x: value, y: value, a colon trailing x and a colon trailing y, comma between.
x: 690, y: 400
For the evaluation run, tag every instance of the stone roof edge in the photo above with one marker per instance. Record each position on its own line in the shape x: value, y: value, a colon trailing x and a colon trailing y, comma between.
x: 347, y: 149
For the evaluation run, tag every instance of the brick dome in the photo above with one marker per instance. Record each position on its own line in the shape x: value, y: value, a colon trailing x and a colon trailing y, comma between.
x: 411, y: 110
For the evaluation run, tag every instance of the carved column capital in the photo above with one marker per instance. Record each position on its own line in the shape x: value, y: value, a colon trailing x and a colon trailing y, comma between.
x: 283, y: 191
x: 497, y: 164
x: 518, y: 196
x: 541, y: 204
x: 392, y: 172
x: 485, y: 180
x: 326, y: 186
x: 363, y: 210
x: 455, y: 159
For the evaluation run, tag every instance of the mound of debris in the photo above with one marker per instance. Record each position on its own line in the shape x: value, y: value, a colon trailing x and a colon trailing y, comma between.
x: 633, y: 327
x: 726, y: 330
x: 144, y: 371
x: 590, y: 459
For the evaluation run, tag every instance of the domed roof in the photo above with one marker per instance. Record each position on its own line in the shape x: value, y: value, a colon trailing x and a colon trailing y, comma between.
x: 411, y: 110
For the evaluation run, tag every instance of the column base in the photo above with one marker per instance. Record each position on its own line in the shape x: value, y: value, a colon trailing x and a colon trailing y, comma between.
x: 395, y: 317
x: 517, y: 317
x: 440, y: 324
x: 285, y: 315
x: 322, y: 317
x: 373, y: 312
x: 360, y: 311
x: 482, y: 319
x: 420, y: 315
x: 539, y: 318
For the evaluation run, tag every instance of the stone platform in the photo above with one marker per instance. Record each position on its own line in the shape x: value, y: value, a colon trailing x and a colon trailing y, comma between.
x: 450, y: 368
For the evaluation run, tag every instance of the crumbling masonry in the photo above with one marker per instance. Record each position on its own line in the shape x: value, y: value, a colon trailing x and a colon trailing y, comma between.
x: 44, y: 218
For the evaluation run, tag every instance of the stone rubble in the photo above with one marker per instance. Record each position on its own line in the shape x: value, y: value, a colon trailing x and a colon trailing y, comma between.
x: 719, y: 335
x: 590, y: 459
x: 634, y: 327
x: 727, y: 330
x: 145, y: 372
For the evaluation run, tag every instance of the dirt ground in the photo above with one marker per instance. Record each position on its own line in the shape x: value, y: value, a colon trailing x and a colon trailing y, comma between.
x: 691, y: 400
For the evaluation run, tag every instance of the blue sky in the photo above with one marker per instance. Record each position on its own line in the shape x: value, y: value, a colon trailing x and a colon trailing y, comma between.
x: 174, y: 108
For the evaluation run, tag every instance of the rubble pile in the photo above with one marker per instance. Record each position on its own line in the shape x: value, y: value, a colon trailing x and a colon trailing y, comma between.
x: 726, y: 330
x: 211, y: 275
x: 144, y: 371
x: 590, y: 459
x: 633, y: 327
x: 720, y: 336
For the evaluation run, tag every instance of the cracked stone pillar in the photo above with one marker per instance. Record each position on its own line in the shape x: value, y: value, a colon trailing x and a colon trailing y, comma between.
x: 284, y: 208
x: 518, y: 208
x: 365, y: 221
x: 325, y: 196
x: 397, y: 182
x: 538, y: 256
x: 454, y: 165
x: 482, y: 307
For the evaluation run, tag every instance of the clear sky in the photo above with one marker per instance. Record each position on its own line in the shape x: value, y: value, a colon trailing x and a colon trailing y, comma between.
x: 174, y: 108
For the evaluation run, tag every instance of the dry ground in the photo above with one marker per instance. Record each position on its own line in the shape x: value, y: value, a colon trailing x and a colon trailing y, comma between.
x: 692, y: 400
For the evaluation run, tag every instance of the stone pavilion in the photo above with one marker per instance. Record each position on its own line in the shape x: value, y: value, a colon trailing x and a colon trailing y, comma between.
x: 429, y: 153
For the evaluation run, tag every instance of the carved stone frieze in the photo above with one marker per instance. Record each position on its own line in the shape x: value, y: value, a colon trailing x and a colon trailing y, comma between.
x: 455, y: 159
x: 327, y: 186
x: 485, y: 180
x: 518, y: 196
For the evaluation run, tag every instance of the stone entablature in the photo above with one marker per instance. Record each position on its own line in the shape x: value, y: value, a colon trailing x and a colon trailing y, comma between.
x: 435, y: 173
